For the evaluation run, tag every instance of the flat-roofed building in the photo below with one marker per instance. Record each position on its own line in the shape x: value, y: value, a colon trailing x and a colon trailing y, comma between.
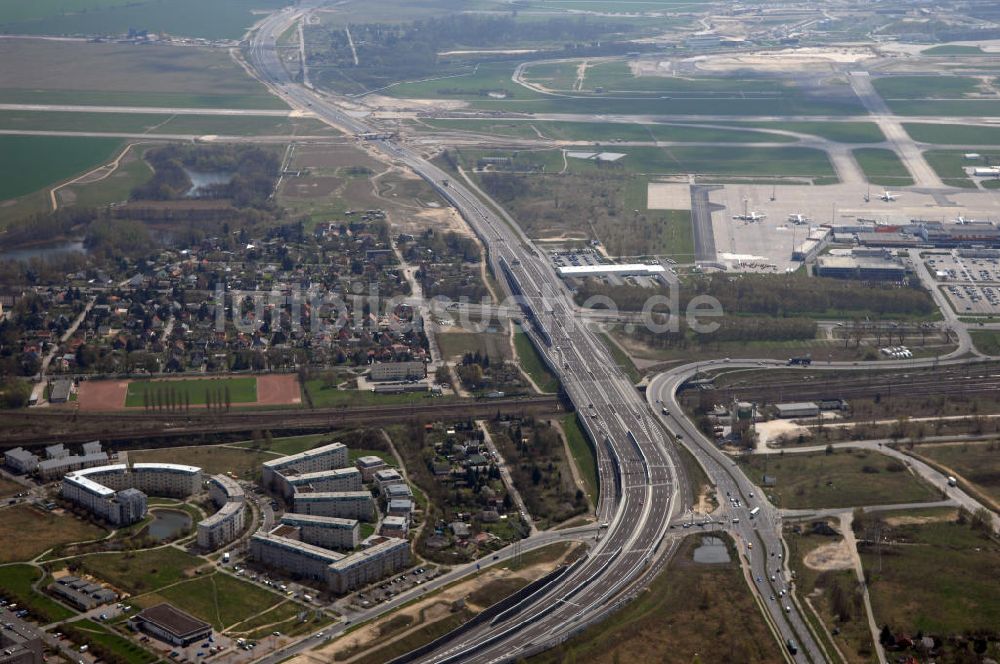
x: 326, y: 457
x: 172, y: 625
x: 398, y: 371
x: 291, y: 555
x: 864, y: 268
x: 327, y: 532
x: 50, y: 469
x: 166, y: 479
x: 611, y: 270
x: 340, y: 504
x: 801, y: 409
x: 386, y: 477
x: 20, y: 642
x: 223, y: 489
x: 398, y: 491
x: 385, y: 556
x: 335, y: 479
x: 401, y: 507
x: 57, y: 451
x: 222, y: 527
x: 82, y: 594
x: 395, y: 526
x: 20, y: 461
x: 368, y: 465
x: 60, y: 391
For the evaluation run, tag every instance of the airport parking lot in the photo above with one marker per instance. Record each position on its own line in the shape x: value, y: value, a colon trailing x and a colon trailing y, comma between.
x: 972, y: 285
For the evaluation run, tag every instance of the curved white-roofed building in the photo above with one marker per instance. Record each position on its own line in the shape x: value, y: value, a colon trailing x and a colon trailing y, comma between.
x: 117, y: 493
x: 226, y: 524
x: 173, y: 480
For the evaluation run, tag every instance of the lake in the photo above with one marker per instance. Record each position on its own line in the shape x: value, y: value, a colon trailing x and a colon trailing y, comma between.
x: 168, y: 523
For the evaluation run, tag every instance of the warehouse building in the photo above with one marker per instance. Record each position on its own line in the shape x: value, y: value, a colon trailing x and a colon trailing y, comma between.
x: 340, y: 504
x: 327, y: 532
x: 610, y: 270
x: 793, y: 410
x: 82, y: 593
x: 172, y: 625
x: 864, y: 268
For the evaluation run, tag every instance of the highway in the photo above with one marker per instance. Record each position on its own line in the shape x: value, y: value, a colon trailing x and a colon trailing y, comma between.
x: 637, y: 465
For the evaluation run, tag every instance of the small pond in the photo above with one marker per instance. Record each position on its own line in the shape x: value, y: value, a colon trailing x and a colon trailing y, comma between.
x: 202, y: 180
x: 47, y: 250
x: 168, y: 523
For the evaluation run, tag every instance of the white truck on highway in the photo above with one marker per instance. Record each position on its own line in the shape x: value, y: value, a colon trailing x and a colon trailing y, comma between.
x: 754, y: 512
x: 952, y: 481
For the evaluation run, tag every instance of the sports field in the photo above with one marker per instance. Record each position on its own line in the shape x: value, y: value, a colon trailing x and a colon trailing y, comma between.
x: 196, y: 392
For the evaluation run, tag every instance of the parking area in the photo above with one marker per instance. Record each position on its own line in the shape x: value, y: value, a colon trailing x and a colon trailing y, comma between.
x: 972, y: 284
x: 389, y: 588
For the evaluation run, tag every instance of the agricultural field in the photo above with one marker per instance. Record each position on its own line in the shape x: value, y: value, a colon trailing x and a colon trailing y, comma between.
x: 952, y: 134
x: 196, y: 392
x: 883, y: 167
x: 914, y: 591
x: 213, y: 459
x: 219, y: 599
x: 975, y: 463
x: 141, y: 571
x: 950, y: 165
x: 844, y: 479
x: 85, y: 74
x: 155, y: 123
x: 692, y: 612
x: 33, y: 162
x: 28, y: 532
x: 218, y: 19
x: 494, y: 344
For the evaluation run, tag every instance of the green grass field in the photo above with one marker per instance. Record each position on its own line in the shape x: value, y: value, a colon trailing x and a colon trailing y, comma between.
x: 609, y: 131
x: 327, y: 397
x: 583, y: 455
x: 841, y: 132
x: 953, y: 134
x: 946, y: 107
x: 939, y: 578
x: 195, y: 391
x: 218, y: 598
x: 924, y: 87
x: 986, y: 341
x: 952, y: 49
x: 32, y: 162
x: 143, y: 571
x: 883, y: 167
x: 494, y: 344
x: 218, y: 19
x: 976, y: 463
x: 28, y: 532
x: 691, y: 613
x: 212, y: 459
x: 844, y: 479
x: 82, y: 73
x: 140, y: 123
x: 15, y: 587
x: 950, y: 165
x: 531, y: 362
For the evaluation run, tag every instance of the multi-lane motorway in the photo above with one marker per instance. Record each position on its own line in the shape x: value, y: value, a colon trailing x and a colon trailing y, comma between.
x: 638, y: 470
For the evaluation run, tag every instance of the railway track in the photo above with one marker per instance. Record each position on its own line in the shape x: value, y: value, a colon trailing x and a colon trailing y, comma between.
x: 51, y: 426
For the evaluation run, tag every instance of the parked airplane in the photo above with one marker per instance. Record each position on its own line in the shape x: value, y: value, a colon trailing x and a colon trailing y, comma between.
x: 798, y: 219
x: 888, y: 196
x: 752, y: 216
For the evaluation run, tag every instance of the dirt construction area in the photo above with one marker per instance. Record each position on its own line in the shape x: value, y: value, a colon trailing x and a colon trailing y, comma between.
x: 834, y: 555
x: 420, y: 614
x: 109, y: 395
